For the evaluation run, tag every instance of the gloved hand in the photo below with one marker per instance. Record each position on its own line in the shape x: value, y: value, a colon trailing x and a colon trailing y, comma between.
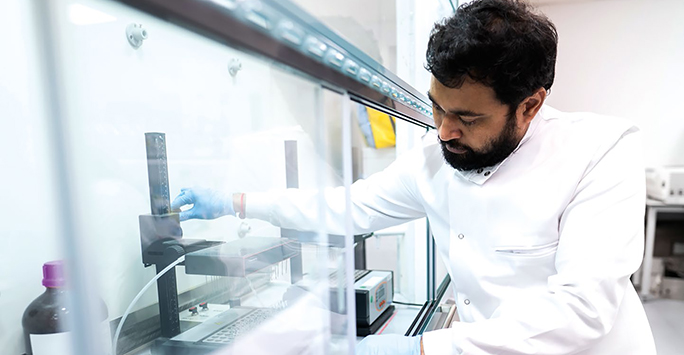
x: 208, y: 203
x: 388, y: 344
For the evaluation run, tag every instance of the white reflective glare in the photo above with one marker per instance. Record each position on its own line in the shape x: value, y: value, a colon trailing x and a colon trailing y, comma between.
x: 83, y: 15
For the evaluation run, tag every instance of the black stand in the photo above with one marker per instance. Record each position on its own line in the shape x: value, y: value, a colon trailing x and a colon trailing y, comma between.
x: 168, y: 293
x: 161, y: 237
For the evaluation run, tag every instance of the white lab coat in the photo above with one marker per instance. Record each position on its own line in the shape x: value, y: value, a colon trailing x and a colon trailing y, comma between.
x: 540, y: 248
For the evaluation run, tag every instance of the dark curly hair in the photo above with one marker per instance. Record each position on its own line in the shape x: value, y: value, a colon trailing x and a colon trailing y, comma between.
x: 503, y: 44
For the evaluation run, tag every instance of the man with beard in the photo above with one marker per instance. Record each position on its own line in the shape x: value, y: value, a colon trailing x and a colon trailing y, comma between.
x: 538, y: 214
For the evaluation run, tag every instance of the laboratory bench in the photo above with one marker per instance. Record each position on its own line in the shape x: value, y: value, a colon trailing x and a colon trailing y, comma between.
x: 405, y: 319
x: 408, y: 319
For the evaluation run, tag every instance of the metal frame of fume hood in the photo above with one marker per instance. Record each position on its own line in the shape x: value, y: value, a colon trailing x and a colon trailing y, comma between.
x: 280, y: 30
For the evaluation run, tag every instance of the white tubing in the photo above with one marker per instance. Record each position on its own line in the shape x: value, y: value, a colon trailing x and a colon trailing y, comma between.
x: 137, y: 297
x: 255, y: 293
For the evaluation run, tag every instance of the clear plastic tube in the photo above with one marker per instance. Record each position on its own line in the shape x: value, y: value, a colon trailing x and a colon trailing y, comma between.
x: 255, y: 293
x: 137, y: 297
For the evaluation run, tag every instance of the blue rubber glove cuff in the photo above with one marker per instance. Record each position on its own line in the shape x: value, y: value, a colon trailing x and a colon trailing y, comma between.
x: 389, y: 344
x: 207, y: 203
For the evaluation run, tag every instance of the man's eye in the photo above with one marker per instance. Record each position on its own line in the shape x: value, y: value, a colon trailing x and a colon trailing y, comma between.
x: 467, y: 123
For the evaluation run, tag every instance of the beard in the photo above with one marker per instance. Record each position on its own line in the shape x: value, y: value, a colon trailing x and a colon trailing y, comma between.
x: 494, y: 152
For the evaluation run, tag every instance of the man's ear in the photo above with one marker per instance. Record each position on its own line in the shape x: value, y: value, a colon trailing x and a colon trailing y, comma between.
x: 529, y: 107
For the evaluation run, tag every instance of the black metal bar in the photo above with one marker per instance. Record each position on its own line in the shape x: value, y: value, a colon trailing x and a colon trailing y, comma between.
x: 443, y: 286
x: 384, y: 104
x: 422, y: 310
x: 433, y: 307
x: 168, y: 302
x: 422, y: 319
x: 158, y: 173
x: 360, y: 255
x: 420, y: 329
x: 425, y: 317
x: 158, y: 176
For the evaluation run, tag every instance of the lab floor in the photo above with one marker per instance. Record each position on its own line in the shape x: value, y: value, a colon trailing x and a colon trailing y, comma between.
x: 667, y: 322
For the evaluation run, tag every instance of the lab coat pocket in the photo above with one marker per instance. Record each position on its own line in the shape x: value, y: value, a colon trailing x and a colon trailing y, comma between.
x: 526, y: 264
x: 530, y: 252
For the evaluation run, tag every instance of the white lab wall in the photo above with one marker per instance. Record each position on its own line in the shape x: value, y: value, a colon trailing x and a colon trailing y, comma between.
x: 624, y: 58
x: 222, y: 131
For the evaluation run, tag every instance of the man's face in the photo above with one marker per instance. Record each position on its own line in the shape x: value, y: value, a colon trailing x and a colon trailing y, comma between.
x: 475, y: 129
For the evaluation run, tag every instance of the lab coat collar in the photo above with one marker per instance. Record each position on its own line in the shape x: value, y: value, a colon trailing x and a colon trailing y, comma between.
x: 480, y: 176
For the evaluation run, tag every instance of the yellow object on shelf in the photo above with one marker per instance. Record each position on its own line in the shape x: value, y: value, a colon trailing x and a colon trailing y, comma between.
x: 377, y: 127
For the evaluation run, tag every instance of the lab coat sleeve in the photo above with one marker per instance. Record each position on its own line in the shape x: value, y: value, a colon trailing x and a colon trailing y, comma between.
x: 382, y: 200
x: 600, y: 246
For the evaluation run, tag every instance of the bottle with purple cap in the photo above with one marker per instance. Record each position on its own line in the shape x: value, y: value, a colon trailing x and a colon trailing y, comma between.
x: 46, y: 319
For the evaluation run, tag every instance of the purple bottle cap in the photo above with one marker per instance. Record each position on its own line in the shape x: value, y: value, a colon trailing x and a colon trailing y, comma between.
x: 53, y: 274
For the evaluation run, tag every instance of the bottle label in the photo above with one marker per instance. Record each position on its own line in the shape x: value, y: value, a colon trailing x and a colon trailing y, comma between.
x: 52, y: 344
x: 61, y: 343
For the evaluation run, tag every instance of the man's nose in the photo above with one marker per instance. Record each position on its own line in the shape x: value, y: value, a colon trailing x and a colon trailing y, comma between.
x: 449, y: 130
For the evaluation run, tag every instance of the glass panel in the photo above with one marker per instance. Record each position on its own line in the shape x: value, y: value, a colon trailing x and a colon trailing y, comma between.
x: 29, y: 219
x: 402, y: 249
x: 138, y: 125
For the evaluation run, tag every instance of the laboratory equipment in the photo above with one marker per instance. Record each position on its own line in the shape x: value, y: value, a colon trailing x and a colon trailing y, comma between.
x: 163, y: 243
x: 666, y: 184
x: 220, y: 331
x: 240, y: 257
x: 374, y: 291
x: 161, y: 236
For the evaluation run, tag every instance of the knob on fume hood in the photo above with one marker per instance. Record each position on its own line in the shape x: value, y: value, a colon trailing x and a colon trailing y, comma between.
x: 136, y: 35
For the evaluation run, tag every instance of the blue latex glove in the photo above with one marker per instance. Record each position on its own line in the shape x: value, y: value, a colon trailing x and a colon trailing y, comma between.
x: 388, y: 344
x: 208, y: 203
